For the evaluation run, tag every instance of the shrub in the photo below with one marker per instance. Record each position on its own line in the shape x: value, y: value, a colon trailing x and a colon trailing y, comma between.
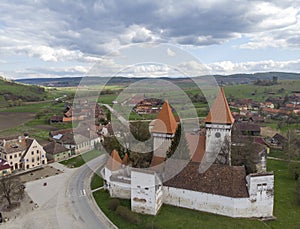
x: 151, y: 226
x: 128, y: 215
x: 113, y: 204
x: 298, y: 193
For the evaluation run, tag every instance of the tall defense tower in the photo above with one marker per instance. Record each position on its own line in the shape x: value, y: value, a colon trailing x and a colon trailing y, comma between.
x: 218, y: 125
x: 163, y: 131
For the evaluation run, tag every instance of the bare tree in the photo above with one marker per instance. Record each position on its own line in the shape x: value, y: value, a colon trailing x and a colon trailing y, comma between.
x: 224, y: 156
x: 11, y: 189
x: 291, y: 146
x: 245, y: 153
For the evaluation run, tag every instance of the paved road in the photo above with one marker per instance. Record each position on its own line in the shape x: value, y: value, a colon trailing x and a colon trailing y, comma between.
x: 81, y: 199
x: 115, y: 113
x: 66, y: 202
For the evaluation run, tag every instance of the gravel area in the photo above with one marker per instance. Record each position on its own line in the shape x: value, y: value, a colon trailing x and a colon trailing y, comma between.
x: 44, y: 172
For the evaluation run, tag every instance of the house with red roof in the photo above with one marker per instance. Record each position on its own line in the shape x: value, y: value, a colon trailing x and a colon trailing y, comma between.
x: 5, y: 168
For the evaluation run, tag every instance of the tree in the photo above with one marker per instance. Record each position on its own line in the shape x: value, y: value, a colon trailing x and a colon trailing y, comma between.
x: 140, y: 130
x: 245, y: 154
x: 291, y: 146
x: 224, y: 156
x: 111, y: 143
x: 294, y: 170
x: 179, y: 147
x: 140, y: 160
x: 11, y: 189
x: 298, y: 193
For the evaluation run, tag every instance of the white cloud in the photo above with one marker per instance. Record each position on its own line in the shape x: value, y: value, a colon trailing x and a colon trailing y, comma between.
x: 170, y: 52
x: 228, y: 67
x: 84, y: 31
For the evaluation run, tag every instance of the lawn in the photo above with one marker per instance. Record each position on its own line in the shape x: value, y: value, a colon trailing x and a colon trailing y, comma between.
x: 81, y: 159
x: 96, y: 181
x: 286, y: 209
x: 261, y: 93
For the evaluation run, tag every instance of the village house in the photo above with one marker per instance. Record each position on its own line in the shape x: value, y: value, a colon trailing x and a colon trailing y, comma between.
x: 206, y: 182
x: 22, y: 153
x: 56, y: 151
x: 247, y: 128
x: 5, y: 168
x: 278, y: 141
x: 79, y: 140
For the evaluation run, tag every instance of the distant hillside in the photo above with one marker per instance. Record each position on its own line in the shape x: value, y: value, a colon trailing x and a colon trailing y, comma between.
x: 12, y: 93
x: 226, y: 79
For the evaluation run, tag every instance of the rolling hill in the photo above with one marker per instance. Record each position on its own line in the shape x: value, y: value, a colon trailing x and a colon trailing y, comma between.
x: 225, y: 79
x: 12, y: 93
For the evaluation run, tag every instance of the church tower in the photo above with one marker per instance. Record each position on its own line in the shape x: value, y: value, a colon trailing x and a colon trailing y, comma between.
x: 218, y: 125
x: 163, y: 131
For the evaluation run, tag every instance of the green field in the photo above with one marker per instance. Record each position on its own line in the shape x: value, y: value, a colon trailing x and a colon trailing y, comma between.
x: 286, y: 209
x: 12, y: 94
x: 81, y: 159
x: 38, y: 126
x: 261, y: 93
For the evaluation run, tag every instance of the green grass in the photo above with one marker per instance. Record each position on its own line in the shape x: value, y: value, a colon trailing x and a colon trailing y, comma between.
x: 261, y: 92
x: 286, y: 208
x: 96, y: 181
x: 11, y: 92
x: 81, y: 159
x: 174, y: 217
x: 278, y: 154
x: 35, y: 107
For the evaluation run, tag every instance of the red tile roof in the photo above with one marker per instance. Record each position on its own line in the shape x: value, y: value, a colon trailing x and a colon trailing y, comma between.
x: 114, y: 162
x: 165, y: 122
x: 3, y: 164
x: 125, y: 160
x: 196, y: 145
x: 221, y: 180
x: 55, y: 148
x: 220, y: 111
x: 157, y: 161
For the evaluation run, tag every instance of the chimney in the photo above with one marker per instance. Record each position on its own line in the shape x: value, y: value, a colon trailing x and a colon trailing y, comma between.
x: 26, y: 135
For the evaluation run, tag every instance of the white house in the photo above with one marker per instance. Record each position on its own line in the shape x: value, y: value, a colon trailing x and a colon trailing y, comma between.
x: 22, y: 153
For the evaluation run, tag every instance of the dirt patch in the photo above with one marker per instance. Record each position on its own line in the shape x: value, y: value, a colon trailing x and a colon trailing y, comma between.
x: 11, y: 119
x: 44, y: 172
x: 46, y: 127
x: 268, y: 131
x: 25, y: 205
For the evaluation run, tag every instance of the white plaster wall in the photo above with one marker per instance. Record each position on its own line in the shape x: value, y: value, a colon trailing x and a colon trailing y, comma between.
x: 222, y: 205
x: 38, y: 153
x: 145, y: 198
x: 161, y: 146
x: 119, y: 190
x: 213, y: 143
x: 261, y: 190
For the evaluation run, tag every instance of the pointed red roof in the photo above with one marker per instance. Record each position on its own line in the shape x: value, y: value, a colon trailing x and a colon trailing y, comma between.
x: 220, y: 111
x: 114, y: 162
x: 165, y: 122
x: 125, y: 160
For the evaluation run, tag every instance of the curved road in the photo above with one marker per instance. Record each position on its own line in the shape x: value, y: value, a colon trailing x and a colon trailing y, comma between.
x: 66, y: 202
x: 80, y: 197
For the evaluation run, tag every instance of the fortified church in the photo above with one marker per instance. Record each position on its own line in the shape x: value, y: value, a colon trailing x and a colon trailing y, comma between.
x: 220, y: 188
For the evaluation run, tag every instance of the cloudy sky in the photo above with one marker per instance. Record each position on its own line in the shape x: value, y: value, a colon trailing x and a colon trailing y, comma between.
x: 66, y: 38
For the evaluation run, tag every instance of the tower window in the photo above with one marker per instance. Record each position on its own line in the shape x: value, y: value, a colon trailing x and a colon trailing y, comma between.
x: 217, y: 135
